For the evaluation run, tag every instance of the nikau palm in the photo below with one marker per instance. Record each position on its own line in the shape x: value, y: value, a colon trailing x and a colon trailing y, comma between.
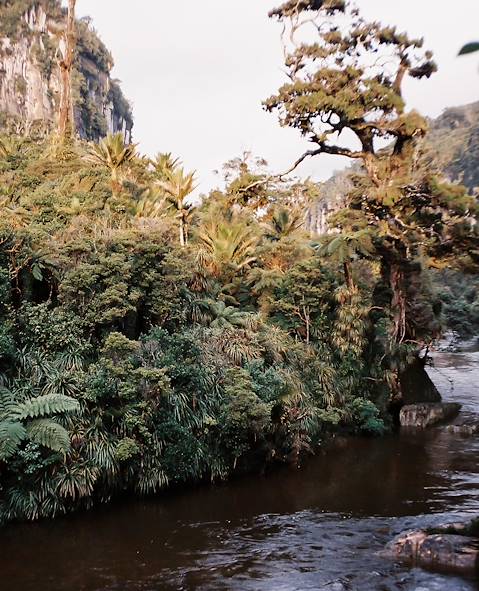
x: 164, y: 164
x: 112, y: 153
x: 227, y: 246
x: 283, y: 223
x: 344, y: 248
x: 177, y: 186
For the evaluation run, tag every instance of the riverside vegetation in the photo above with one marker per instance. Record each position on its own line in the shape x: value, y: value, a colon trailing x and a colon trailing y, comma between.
x: 150, y: 340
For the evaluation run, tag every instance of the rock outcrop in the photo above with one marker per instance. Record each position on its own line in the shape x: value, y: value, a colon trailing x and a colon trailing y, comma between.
x: 30, y: 48
x: 416, y: 385
x: 441, y: 551
x: 466, y: 430
x: 426, y: 414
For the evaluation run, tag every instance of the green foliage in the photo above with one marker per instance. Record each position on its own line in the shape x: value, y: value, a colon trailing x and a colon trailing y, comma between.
x: 469, y: 48
x: 366, y: 416
x: 29, y: 419
x: 458, y: 298
x: 148, y: 339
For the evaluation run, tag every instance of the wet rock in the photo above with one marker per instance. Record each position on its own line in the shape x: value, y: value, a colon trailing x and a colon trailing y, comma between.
x: 457, y: 527
x: 416, y: 385
x: 423, y: 415
x: 463, y: 429
x: 445, y: 552
x: 335, y: 586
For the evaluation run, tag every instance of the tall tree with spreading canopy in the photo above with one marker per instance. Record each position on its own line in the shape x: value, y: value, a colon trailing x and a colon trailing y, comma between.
x: 346, y: 79
x: 345, y: 96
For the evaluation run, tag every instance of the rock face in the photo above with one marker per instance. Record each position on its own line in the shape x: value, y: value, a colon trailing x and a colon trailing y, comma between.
x: 423, y: 415
x: 416, y: 385
x: 453, y: 144
x: 448, y: 552
x: 30, y: 49
x: 466, y: 430
x: 332, y: 197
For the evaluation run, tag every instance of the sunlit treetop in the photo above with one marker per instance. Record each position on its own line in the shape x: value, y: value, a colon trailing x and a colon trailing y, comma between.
x: 346, y: 74
x: 294, y: 7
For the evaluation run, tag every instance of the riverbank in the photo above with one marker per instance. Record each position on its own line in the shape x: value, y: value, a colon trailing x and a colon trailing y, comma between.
x: 293, y: 530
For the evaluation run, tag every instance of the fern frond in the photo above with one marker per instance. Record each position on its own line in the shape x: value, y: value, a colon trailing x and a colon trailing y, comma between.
x: 50, y: 434
x: 7, y: 403
x: 12, y: 433
x: 46, y: 404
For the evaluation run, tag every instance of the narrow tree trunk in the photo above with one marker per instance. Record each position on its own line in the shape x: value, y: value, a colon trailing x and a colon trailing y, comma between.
x: 403, y: 69
x: 348, y: 275
x: 307, y: 322
x: 182, y: 233
x: 115, y: 182
x: 66, y: 125
x: 398, y: 303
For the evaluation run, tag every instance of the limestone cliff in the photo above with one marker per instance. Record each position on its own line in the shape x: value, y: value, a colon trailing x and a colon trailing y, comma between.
x: 453, y: 144
x: 31, y: 42
x: 332, y: 197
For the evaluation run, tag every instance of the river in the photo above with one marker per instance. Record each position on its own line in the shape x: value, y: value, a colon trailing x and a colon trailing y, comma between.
x: 319, y: 527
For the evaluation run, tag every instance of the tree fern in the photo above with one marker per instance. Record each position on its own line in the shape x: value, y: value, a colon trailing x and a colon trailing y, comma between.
x: 12, y: 433
x: 16, y: 424
x: 46, y: 405
x: 7, y: 403
x: 49, y: 433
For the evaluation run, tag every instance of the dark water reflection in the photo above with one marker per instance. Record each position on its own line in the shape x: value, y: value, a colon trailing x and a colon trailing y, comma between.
x: 289, y: 531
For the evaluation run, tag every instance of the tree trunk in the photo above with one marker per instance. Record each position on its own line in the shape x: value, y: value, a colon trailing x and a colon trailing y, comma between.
x: 66, y: 125
x: 398, y: 303
x: 182, y: 233
x: 348, y: 275
x: 116, y: 185
x: 307, y: 321
x: 402, y: 70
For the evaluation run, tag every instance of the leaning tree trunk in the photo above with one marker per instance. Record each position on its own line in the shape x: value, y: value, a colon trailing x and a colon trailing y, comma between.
x: 66, y: 125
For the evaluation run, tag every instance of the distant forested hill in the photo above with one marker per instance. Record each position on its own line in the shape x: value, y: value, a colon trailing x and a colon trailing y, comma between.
x: 453, y: 143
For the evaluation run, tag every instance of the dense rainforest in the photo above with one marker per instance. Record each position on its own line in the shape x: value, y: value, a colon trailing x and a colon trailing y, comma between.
x: 449, y: 150
x: 150, y: 339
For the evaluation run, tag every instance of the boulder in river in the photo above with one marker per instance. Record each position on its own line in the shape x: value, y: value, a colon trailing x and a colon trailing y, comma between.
x: 440, y: 551
x: 416, y: 385
x: 425, y: 414
x: 463, y: 429
x: 335, y: 586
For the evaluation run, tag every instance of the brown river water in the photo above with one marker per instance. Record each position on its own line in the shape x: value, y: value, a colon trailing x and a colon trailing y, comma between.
x: 319, y: 527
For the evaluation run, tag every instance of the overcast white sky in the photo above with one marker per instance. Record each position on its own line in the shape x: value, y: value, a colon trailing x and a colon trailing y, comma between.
x: 197, y: 71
